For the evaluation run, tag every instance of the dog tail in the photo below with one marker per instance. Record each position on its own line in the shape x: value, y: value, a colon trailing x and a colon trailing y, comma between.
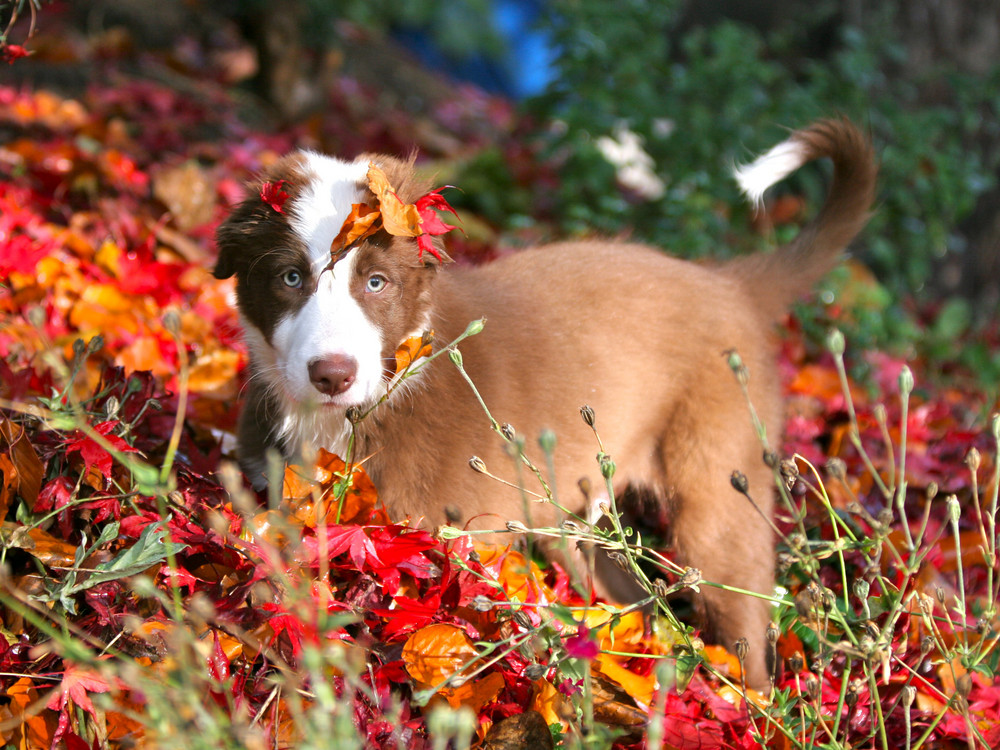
x: 778, y: 278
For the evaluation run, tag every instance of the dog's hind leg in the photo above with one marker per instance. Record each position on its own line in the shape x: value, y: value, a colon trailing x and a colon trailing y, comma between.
x: 718, y: 531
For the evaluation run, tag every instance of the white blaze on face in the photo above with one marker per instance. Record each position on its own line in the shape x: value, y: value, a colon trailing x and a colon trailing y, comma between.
x: 332, y: 321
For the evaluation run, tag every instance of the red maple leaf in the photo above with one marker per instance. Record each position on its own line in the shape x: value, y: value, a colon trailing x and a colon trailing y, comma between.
x: 272, y: 194
x: 12, y: 52
x: 430, y: 222
x: 95, y: 454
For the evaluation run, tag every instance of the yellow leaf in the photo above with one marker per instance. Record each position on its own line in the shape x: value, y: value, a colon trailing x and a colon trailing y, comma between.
x: 107, y: 257
x: 398, y: 218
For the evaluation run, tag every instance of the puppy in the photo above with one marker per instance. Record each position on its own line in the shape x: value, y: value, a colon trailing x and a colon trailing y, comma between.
x: 637, y: 335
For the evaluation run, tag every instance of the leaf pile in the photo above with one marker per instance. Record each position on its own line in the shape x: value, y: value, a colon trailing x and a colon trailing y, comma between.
x: 123, y: 528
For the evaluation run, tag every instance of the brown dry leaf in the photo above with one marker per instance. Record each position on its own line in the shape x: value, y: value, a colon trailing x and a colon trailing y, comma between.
x: 188, y: 192
x: 527, y: 731
x: 20, y: 467
x: 434, y: 653
x: 361, y: 222
x: 613, y: 704
x: 398, y: 218
x: 40, y: 544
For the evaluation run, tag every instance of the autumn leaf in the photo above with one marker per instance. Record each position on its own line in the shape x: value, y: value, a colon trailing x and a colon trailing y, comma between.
x: 95, y: 454
x: 434, y: 653
x: 272, y: 194
x: 360, y: 223
x: 20, y: 467
x: 418, y: 219
x: 413, y: 349
x: 40, y: 544
x: 31, y: 729
x: 398, y: 218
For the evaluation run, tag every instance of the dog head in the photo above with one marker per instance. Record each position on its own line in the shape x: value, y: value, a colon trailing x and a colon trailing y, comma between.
x: 323, y: 327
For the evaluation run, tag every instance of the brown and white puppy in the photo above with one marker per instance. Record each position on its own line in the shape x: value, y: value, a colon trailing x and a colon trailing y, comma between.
x: 634, y: 333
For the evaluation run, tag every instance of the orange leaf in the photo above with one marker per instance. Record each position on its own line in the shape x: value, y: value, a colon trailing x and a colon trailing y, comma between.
x: 398, y: 218
x: 413, y: 349
x: 31, y: 729
x: 474, y: 694
x: 550, y: 703
x: 639, y: 687
x: 215, y: 371
x: 434, y: 653
x: 302, y: 487
x: 360, y: 223
x: 145, y: 353
x: 727, y: 663
x: 19, y: 465
x: 950, y: 673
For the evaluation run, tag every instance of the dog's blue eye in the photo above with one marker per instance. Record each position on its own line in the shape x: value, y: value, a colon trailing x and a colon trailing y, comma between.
x: 376, y: 284
x: 292, y: 278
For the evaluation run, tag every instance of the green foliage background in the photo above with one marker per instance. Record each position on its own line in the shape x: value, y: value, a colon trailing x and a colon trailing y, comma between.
x: 704, y: 98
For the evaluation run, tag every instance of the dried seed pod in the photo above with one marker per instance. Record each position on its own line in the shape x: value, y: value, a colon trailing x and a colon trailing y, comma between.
x: 691, y: 578
x: 813, y: 687
x: 740, y: 482
x: 796, y: 663
x: 772, y: 633
x: 661, y: 588
x: 742, y: 649
x: 861, y: 587
x: 535, y: 671
x: 836, y: 468
x: 789, y: 469
x: 481, y: 603
x: 588, y: 415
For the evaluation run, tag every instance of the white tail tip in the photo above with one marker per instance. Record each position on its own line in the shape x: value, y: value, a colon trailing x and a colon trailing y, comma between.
x: 755, y: 178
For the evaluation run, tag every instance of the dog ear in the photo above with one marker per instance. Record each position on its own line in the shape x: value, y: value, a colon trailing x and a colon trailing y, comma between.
x: 227, y: 240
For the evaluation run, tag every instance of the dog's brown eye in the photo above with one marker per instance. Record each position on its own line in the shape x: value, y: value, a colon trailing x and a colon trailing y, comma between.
x: 292, y: 278
x: 376, y: 284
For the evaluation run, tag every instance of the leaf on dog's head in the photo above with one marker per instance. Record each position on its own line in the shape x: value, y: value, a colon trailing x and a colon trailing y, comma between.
x: 418, y: 219
x: 398, y: 218
x: 272, y: 194
x: 360, y: 223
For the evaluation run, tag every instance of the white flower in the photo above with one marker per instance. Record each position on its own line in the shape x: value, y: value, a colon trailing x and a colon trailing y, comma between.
x: 633, y: 166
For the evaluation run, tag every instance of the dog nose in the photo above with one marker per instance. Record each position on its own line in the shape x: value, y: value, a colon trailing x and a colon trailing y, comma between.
x: 333, y: 374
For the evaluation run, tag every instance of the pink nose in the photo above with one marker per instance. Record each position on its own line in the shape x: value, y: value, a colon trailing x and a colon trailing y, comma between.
x: 333, y: 374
